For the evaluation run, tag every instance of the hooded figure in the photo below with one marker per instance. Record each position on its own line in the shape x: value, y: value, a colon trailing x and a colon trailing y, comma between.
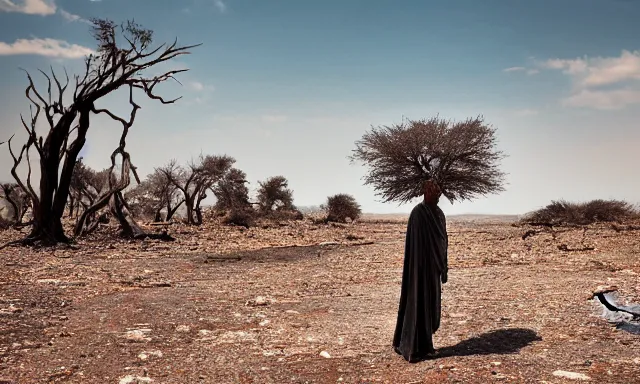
x: 425, y: 267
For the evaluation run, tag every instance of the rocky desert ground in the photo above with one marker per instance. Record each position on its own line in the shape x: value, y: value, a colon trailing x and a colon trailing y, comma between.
x: 298, y: 302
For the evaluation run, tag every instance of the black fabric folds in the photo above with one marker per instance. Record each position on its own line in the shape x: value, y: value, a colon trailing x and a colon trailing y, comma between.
x: 425, y: 267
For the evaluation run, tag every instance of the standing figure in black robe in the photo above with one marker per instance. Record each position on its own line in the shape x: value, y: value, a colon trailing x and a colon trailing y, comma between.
x: 425, y: 267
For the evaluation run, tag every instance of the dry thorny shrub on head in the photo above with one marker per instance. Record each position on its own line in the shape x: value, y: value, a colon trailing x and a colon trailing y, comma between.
x: 563, y: 212
x: 461, y: 156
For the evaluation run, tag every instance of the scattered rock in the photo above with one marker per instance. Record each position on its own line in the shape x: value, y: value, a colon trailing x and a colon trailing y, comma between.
x: 183, y: 328
x: 292, y: 312
x: 260, y: 301
x: 137, y: 335
x: 325, y: 354
x: 236, y: 336
x: 130, y: 379
x: 264, y: 322
x: 571, y: 375
x: 147, y: 355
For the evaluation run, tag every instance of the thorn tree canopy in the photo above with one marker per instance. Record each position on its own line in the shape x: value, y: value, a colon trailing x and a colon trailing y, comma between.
x: 460, y: 156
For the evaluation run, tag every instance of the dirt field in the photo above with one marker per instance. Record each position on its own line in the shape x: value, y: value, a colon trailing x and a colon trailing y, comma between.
x: 275, y: 305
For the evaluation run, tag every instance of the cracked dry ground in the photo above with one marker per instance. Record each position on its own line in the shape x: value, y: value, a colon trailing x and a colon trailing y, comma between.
x: 189, y: 312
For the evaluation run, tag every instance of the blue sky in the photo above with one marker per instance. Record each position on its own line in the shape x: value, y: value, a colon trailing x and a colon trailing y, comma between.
x: 286, y: 87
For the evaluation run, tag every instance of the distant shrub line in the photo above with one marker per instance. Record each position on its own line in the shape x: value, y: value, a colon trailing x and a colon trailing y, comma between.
x: 570, y: 213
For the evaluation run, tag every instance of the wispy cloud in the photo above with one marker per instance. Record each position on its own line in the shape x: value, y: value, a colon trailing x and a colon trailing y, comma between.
x: 195, y: 86
x: 71, y: 17
x: 601, y: 82
x: 526, y: 70
x: 44, y: 47
x: 222, y: 7
x: 30, y: 7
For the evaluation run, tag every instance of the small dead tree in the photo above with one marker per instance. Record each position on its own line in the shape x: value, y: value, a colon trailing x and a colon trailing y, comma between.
x: 461, y: 156
x: 154, y: 194
x: 274, y: 195
x: 196, y: 179
x: 86, y: 186
x: 342, y: 207
x: 123, y: 58
x: 18, y: 199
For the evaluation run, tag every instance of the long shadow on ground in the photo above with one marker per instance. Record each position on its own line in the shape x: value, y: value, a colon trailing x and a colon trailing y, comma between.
x: 500, y: 342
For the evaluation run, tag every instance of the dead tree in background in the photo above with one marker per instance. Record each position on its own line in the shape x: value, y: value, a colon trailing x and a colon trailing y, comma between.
x: 461, y: 156
x: 119, y: 62
x: 196, y: 179
x: 154, y: 194
x: 86, y: 186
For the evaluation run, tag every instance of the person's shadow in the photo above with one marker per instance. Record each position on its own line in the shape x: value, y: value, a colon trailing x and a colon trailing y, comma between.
x: 499, y: 342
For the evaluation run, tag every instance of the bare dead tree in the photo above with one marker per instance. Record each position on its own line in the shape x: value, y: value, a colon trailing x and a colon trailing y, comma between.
x: 153, y: 195
x: 196, y: 179
x: 274, y: 195
x: 86, y: 186
x: 123, y: 58
x: 461, y: 156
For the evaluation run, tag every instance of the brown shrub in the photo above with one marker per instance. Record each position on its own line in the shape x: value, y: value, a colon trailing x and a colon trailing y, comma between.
x: 342, y: 207
x: 240, y: 217
x: 563, y: 212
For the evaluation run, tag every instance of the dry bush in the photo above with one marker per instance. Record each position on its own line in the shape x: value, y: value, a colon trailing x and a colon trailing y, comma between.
x: 275, y: 200
x: 231, y: 192
x: 461, y: 156
x: 284, y: 214
x: 341, y: 207
x: 241, y: 217
x: 563, y: 212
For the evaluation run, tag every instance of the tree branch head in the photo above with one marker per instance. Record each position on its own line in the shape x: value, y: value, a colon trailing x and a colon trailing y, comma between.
x: 460, y: 156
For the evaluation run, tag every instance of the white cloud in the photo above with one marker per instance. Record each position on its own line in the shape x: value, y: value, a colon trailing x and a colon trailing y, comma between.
x: 528, y: 71
x: 601, y: 82
x: 196, y: 86
x: 44, y: 47
x: 30, y: 7
x: 220, y: 5
x: 71, y: 17
x: 609, y: 99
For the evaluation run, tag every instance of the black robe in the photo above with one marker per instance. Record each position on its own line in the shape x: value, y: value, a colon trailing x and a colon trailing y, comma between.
x: 425, y: 266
